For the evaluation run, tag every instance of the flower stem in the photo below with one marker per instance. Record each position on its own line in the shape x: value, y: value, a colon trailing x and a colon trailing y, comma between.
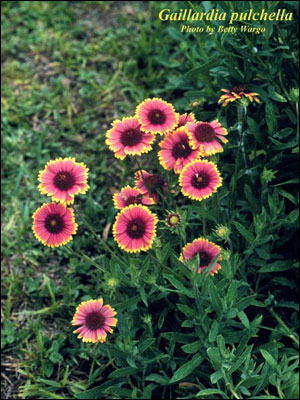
x: 203, y: 218
x: 105, y: 245
x: 242, y: 112
x: 285, y: 327
x: 84, y: 256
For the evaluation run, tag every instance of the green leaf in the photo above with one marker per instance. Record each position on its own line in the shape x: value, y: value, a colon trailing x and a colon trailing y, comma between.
x: 276, y: 96
x: 208, y: 392
x: 191, y: 348
x: 213, y: 332
x: 214, y: 356
x: 256, y: 131
x: 251, y: 199
x: 232, y: 293
x: 178, y: 285
x: 128, y: 303
x: 244, y: 232
x: 56, y: 357
x: 163, y: 380
x: 118, y: 373
x: 50, y: 382
x: 277, y: 266
x: 187, y: 368
x: 204, y: 68
x: 240, y: 360
x: 270, y: 360
x: 97, y: 391
x: 270, y: 117
x: 244, y: 319
x: 215, y: 298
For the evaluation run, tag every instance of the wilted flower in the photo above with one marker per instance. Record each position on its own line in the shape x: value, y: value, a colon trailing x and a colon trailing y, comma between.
x: 237, y: 93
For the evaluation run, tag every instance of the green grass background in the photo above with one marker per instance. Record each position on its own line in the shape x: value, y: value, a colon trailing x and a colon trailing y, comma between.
x: 68, y: 69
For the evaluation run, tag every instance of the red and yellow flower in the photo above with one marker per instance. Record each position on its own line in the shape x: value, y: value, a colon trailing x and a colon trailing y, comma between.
x: 54, y: 224
x: 207, y: 252
x: 177, y: 150
x: 150, y: 184
x: 62, y: 179
x: 126, y: 138
x: 185, y: 118
x: 95, y: 320
x: 129, y: 195
x: 200, y: 179
x: 157, y: 116
x: 135, y: 228
x: 205, y: 134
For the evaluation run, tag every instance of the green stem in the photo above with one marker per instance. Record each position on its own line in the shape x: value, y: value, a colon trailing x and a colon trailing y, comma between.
x: 241, y: 132
x: 241, y: 115
x: 84, y: 256
x: 105, y: 245
x: 203, y: 218
x: 285, y: 327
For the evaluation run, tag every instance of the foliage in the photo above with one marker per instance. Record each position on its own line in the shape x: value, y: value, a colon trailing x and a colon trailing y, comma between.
x: 69, y: 69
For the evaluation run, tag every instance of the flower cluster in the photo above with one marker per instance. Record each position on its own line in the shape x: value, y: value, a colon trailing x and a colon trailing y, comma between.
x: 54, y: 223
x: 184, y: 144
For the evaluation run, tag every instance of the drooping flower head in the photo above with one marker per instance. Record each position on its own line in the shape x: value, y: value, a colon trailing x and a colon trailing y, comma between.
x: 185, y: 118
x: 207, y: 252
x: 200, y: 179
x: 129, y: 195
x: 173, y: 220
x: 126, y: 138
x: 62, y: 179
x: 237, y: 93
x: 177, y: 150
x: 54, y: 224
x: 206, y: 134
x: 94, y: 320
x: 150, y: 184
x: 135, y: 228
x: 157, y: 116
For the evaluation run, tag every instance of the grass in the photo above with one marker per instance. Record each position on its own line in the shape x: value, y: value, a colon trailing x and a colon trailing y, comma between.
x: 68, y: 70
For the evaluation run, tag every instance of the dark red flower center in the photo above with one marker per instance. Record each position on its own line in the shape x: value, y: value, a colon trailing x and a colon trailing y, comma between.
x: 131, y: 137
x: 204, y: 132
x: 181, y: 149
x: 132, y: 200
x: 94, y: 320
x: 200, y: 180
x: 157, y: 117
x: 64, y: 180
x: 153, y: 182
x: 205, y: 258
x: 54, y: 223
x: 136, y: 228
x: 238, y: 89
